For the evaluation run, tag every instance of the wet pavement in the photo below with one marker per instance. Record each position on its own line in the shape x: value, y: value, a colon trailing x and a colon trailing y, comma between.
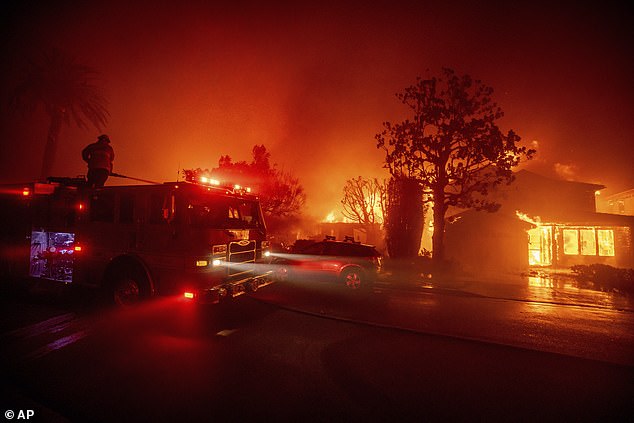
x: 314, y: 352
x: 496, y: 347
x: 543, y: 287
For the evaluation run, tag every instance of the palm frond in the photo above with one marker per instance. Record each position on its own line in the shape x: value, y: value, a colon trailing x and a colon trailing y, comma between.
x: 60, y: 85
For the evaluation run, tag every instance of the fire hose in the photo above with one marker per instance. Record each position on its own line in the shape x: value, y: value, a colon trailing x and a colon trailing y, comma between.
x: 118, y: 175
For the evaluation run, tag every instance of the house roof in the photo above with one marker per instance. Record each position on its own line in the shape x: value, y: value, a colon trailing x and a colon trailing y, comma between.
x: 575, y: 219
x: 472, y: 216
x: 536, y: 178
x: 589, y: 219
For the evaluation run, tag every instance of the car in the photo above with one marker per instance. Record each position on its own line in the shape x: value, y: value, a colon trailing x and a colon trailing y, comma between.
x: 350, y: 263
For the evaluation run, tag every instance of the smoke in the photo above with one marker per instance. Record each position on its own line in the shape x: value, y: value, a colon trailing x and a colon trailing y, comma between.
x: 566, y: 171
x: 314, y: 82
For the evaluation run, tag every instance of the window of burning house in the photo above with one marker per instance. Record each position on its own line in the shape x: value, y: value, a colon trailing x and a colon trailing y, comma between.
x: 589, y: 242
x: 540, y: 246
x: 571, y: 241
x: 605, y: 238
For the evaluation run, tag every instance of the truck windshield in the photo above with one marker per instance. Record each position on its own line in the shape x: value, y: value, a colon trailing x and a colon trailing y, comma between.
x: 223, y: 212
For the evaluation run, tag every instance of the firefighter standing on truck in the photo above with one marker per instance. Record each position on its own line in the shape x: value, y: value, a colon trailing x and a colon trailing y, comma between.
x: 99, y: 156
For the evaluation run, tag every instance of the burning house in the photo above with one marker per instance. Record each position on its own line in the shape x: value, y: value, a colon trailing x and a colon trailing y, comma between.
x: 542, y: 222
x: 619, y: 203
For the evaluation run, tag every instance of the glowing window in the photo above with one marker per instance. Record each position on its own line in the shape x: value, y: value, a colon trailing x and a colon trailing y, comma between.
x: 588, y: 242
x: 606, y: 242
x: 540, y: 246
x: 571, y: 241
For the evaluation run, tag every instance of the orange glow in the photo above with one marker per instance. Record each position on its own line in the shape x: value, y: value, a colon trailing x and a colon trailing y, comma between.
x: 605, y: 238
x: 189, y: 295
x: 526, y: 218
x: 226, y: 117
x: 540, y: 247
x: 78, y: 248
x: 335, y: 217
x: 540, y: 241
x: 588, y: 241
x: 26, y: 192
x: 81, y: 206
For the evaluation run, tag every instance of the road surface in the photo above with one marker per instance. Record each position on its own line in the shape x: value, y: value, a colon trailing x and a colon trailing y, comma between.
x: 291, y: 353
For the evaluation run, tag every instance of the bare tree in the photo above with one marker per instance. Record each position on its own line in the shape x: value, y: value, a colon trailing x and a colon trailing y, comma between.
x: 364, y: 200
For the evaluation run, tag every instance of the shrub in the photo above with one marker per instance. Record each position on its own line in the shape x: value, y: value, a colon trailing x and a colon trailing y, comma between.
x: 606, y: 278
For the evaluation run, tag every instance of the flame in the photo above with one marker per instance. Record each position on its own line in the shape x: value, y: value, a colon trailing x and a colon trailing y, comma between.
x: 526, y: 218
x: 378, y: 212
x: 330, y: 218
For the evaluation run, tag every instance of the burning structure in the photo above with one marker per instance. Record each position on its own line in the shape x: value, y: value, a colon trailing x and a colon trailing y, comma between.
x: 542, y: 222
x: 619, y: 203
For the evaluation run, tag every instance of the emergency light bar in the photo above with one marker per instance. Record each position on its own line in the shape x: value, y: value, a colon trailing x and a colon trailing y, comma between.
x: 206, y: 180
x: 211, y: 182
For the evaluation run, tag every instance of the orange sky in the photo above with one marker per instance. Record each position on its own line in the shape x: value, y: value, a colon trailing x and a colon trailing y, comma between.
x: 190, y: 81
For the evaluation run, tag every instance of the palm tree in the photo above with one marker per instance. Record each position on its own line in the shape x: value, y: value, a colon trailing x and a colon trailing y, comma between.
x: 65, y: 90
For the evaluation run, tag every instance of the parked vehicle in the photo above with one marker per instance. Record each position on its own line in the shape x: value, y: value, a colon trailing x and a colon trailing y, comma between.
x: 349, y: 263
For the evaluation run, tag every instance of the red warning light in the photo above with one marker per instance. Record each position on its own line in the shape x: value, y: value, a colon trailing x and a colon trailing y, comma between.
x: 189, y: 295
x: 26, y: 192
x: 77, y: 248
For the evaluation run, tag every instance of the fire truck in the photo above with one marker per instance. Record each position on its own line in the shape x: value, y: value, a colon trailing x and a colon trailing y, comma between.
x: 199, y: 239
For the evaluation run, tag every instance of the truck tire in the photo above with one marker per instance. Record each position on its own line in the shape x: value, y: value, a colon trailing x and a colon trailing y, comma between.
x: 128, y: 288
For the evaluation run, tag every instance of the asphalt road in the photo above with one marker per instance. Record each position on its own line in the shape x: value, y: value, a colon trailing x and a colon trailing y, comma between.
x: 292, y: 353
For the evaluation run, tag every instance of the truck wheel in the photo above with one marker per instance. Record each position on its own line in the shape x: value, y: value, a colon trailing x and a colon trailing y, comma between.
x: 128, y: 290
x: 353, y: 278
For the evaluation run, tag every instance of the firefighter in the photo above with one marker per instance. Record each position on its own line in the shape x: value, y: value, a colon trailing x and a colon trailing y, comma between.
x: 99, y: 156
